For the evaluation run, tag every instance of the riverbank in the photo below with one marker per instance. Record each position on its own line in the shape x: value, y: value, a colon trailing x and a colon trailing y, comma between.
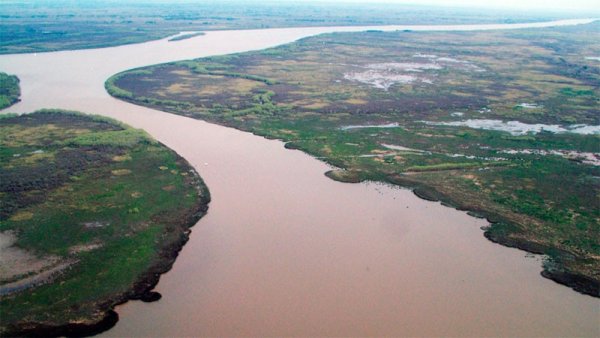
x: 280, y: 235
x: 105, y: 204
x: 106, y: 317
x: 495, y: 232
x: 391, y: 107
x: 42, y: 28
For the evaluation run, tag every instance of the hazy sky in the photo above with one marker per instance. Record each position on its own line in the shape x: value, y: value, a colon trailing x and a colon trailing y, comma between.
x: 514, y: 4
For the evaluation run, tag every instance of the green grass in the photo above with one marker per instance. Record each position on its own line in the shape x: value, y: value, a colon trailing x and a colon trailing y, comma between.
x: 118, y: 138
x: 186, y: 36
x: 116, y: 91
x: 82, y: 180
x: 446, y: 166
x: 9, y: 90
x: 567, y: 91
x: 101, y: 274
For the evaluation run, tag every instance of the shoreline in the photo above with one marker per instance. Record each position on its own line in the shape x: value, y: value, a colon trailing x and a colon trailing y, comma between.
x: 397, y: 27
x: 106, y: 316
x: 578, y: 282
x: 111, y: 315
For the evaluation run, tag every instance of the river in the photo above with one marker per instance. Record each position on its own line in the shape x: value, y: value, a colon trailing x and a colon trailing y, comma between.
x: 286, y: 251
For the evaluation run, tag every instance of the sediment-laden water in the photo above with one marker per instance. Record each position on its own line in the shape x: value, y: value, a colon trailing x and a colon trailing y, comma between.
x: 286, y: 251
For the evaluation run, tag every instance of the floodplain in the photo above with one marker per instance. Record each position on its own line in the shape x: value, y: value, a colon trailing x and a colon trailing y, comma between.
x: 424, y: 102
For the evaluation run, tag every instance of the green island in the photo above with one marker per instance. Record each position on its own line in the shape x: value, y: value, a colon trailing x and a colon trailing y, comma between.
x: 504, y: 124
x: 43, y: 26
x: 9, y: 90
x: 91, y: 213
x: 186, y: 36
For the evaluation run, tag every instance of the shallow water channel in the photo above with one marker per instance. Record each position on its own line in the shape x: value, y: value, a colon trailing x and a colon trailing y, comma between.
x: 286, y: 251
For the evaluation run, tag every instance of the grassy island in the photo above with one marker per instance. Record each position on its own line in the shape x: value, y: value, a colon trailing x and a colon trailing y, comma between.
x: 9, y: 90
x: 91, y: 213
x: 186, y: 36
x: 504, y: 124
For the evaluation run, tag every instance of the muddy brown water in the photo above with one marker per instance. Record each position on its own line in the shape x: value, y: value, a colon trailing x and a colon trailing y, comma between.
x: 286, y: 251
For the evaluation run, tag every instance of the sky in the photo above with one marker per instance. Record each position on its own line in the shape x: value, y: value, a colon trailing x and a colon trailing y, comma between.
x: 580, y: 5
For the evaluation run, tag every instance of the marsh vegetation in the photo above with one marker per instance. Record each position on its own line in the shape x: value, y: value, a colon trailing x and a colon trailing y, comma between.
x: 92, y: 212
x: 394, y: 107
x: 10, y: 91
x: 185, y: 36
x: 41, y: 26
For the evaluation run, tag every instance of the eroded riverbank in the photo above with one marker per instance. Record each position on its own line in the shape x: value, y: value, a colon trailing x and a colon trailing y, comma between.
x: 286, y: 251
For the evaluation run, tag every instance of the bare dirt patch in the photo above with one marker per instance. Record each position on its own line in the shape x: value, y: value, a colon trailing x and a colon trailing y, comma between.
x: 21, y: 269
x: 16, y: 263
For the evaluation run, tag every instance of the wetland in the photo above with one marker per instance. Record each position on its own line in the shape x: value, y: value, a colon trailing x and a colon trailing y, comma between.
x: 444, y: 113
x: 286, y: 251
x: 42, y: 26
x: 92, y: 212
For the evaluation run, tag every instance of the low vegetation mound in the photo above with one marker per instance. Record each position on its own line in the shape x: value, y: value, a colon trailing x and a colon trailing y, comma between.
x: 186, y: 36
x: 9, y: 90
x: 91, y: 213
x: 505, y: 124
